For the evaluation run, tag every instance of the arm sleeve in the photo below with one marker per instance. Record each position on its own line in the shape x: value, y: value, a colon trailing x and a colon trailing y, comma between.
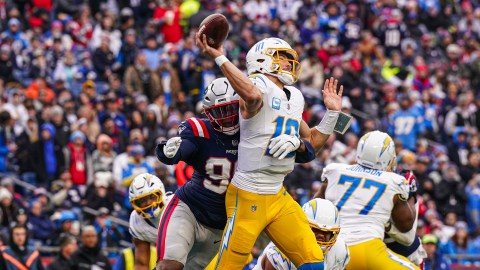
x: 187, y: 148
x: 307, y: 155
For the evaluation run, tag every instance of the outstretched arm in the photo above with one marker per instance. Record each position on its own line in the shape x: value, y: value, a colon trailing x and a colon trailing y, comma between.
x: 318, y: 135
x: 250, y: 94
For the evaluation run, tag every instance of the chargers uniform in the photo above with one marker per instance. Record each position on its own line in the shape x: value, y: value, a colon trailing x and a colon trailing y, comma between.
x: 256, y: 200
x: 336, y: 258
x: 364, y: 198
x: 146, y: 229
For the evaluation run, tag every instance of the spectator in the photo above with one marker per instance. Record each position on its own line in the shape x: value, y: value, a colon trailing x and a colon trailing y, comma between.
x: 103, y: 156
x: 140, y: 79
x: 100, y: 194
x: 42, y: 227
x: 68, y: 246
x: 7, y: 144
x: 434, y: 260
x: 473, y: 202
x: 103, y: 60
x: 8, y: 208
x: 78, y: 159
x: 64, y: 193
x: 406, y: 124
x: 168, y: 17
x: 128, y: 51
x: 459, y: 117
x: 88, y: 255
x: 109, y: 235
x: 17, y: 253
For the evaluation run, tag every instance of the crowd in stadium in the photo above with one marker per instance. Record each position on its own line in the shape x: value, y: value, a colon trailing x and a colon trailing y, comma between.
x: 89, y: 88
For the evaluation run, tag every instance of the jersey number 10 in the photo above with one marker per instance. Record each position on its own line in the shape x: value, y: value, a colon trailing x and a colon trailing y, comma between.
x: 284, y: 127
x: 367, y: 184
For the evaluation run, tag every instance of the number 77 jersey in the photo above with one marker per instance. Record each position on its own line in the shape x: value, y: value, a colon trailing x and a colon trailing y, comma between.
x: 364, y: 198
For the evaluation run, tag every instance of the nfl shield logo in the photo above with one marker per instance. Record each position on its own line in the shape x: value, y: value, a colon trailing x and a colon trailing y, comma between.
x: 234, y: 142
x: 254, y: 208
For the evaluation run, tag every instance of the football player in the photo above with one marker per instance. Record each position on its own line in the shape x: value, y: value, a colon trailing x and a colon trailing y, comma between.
x: 324, y: 222
x: 367, y: 195
x: 191, y: 228
x: 148, y: 198
x: 271, y: 130
x: 407, y: 244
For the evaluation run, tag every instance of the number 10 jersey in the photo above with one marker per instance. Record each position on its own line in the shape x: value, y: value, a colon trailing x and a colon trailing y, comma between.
x: 281, y: 113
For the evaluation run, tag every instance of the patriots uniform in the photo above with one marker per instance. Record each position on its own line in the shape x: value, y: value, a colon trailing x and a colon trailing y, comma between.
x: 146, y: 229
x: 336, y: 258
x: 213, y: 155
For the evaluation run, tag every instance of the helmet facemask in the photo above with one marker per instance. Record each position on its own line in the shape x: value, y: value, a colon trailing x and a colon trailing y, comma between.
x: 330, y: 233
x: 149, y: 205
x: 224, y: 117
x: 287, y: 77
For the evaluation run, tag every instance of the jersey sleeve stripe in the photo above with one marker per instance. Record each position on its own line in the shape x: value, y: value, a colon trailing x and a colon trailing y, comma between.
x: 194, y: 127
x: 204, y: 128
x: 162, y: 229
x: 199, y: 128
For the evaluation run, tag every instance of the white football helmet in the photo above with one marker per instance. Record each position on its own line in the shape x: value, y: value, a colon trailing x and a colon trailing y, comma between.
x: 376, y: 150
x: 323, y: 216
x: 146, y: 195
x: 264, y: 57
x: 221, y: 105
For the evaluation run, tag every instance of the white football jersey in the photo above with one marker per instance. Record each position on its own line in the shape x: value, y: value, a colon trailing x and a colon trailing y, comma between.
x: 257, y: 170
x: 336, y: 259
x: 146, y: 229
x: 364, y: 198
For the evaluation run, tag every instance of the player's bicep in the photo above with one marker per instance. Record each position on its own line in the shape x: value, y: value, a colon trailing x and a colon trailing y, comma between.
x: 142, y: 253
x: 403, y: 214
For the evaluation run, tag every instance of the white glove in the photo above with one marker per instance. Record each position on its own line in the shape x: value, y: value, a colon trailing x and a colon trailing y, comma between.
x: 172, y: 146
x: 282, y: 145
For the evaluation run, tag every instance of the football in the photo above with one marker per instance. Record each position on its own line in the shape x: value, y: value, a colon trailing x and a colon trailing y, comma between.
x: 216, y: 29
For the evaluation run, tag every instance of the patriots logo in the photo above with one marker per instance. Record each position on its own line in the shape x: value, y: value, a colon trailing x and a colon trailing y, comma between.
x: 254, y: 208
x: 234, y: 142
x: 180, y: 129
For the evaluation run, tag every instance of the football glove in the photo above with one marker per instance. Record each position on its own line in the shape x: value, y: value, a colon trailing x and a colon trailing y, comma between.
x: 282, y: 145
x: 172, y: 146
x: 412, y: 184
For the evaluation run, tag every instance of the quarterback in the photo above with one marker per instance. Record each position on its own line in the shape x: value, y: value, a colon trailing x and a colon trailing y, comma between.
x: 148, y: 198
x: 271, y: 130
x: 368, y: 195
x: 191, y: 229
x: 324, y: 221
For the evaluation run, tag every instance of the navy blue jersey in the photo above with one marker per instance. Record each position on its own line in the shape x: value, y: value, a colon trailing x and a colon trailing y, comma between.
x: 404, y: 250
x: 213, y: 155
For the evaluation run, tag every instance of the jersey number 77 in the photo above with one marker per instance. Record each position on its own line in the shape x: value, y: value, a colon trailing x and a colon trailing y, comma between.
x: 355, y: 182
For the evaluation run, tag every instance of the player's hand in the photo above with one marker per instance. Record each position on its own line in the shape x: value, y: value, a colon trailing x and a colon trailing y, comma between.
x: 282, y: 145
x: 172, y: 146
x: 205, y: 48
x: 412, y: 182
x: 332, y: 98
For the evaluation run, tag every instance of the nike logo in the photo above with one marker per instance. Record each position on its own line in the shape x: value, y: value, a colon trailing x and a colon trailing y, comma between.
x: 216, y: 242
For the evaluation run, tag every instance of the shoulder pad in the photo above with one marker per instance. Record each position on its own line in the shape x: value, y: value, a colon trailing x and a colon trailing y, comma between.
x: 193, y: 127
x: 260, y: 81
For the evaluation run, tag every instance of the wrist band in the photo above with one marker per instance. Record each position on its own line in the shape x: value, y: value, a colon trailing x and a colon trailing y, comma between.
x: 328, y: 122
x: 221, y: 60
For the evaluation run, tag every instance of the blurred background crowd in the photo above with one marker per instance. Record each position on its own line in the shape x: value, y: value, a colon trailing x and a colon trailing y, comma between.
x: 88, y: 88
